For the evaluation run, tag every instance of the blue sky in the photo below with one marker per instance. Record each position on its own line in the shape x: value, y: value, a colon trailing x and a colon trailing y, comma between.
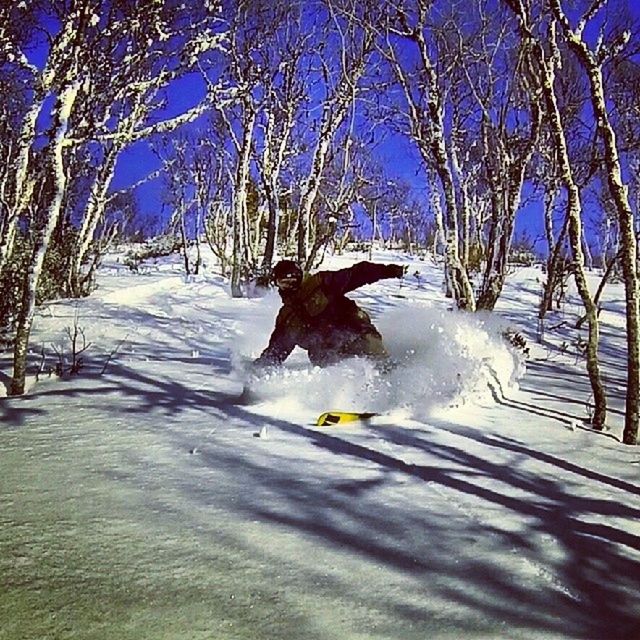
x: 398, y: 155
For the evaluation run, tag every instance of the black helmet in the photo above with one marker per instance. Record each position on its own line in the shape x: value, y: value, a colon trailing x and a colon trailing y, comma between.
x: 286, y: 269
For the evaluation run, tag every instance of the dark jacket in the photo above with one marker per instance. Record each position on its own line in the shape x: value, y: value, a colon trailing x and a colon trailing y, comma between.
x: 319, y: 318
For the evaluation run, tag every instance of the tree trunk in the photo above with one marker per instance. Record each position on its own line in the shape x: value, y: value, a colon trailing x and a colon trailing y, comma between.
x: 59, y: 179
x: 185, y: 243
x: 554, y: 247
x: 574, y: 210
x: 628, y: 257
x: 506, y: 174
x: 80, y: 285
x: 273, y: 222
x: 196, y: 241
x: 462, y: 287
x: 330, y: 124
x: 591, y: 310
x: 239, y: 257
x: 374, y: 228
x: 465, y: 216
x: 334, y: 112
x: 22, y: 184
x: 553, y: 266
x: 619, y: 194
x: 439, y: 237
x: 277, y: 135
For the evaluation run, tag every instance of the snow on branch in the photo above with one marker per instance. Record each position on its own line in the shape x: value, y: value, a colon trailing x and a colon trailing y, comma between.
x: 165, y: 126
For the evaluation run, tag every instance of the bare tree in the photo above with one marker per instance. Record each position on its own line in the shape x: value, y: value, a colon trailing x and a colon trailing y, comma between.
x: 285, y: 64
x: 347, y: 172
x: 343, y: 63
x: 592, y: 60
x: 545, y: 68
x: 424, y: 113
x: 70, y: 78
x: 251, y: 27
x: 506, y: 93
x: 56, y: 171
x: 179, y: 194
x: 209, y: 167
x: 128, y: 88
x: 43, y: 82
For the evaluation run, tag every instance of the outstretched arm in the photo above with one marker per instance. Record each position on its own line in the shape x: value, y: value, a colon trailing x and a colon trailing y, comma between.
x: 358, y: 275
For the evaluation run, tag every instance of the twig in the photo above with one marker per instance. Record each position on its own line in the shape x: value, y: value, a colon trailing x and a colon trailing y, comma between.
x: 113, y: 353
x: 76, y: 361
x: 59, y: 368
x: 42, y: 361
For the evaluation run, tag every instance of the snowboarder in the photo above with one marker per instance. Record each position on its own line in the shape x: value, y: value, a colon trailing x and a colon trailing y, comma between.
x: 317, y: 316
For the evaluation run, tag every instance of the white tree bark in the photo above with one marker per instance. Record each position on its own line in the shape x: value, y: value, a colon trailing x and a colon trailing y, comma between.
x: 354, y: 56
x: 240, y: 258
x: 427, y: 131
x: 99, y: 95
x: 43, y: 82
x: 56, y: 166
x: 93, y: 214
x: 592, y: 63
x: 282, y: 106
x: 22, y: 185
x: 574, y: 210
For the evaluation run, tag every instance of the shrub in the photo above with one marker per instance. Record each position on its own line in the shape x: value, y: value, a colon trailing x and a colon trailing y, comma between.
x: 154, y: 248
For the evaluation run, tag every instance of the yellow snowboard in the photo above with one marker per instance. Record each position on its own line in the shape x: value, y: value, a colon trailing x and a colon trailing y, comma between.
x: 329, y: 418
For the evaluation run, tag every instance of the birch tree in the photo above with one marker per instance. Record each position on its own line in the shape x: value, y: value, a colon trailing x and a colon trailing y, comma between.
x: 286, y: 68
x: 592, y: 59
x: 62, y: 75
x: 42, y: 82
x: 251, y: 27
x: 343, y: 63
x: 423, y: 94
x: 496, y: 69
x: 546, y: 68
x: 56, y: 171
x: 570, y: 94
x: 349, y: 170
x: 179, y: 195
x: 137, y: 62
x: 210, y: 167
x: 66, y: 78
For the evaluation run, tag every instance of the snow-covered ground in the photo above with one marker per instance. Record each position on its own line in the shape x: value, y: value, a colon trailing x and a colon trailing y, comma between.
x: 140, y: 500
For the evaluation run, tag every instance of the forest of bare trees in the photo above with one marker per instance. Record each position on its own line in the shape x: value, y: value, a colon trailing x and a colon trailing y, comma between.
x: 280, y: 143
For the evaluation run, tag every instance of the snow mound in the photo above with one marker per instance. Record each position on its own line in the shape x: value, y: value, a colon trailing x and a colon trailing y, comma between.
x: 442, y: 359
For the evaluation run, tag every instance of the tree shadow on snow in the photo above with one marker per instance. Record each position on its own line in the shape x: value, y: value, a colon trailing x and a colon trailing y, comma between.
x: 593, y: 568
x: 547, y: 381
x: 444, y: 529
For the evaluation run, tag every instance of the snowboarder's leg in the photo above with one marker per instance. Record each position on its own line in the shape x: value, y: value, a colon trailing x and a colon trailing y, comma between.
x: 369, y: 345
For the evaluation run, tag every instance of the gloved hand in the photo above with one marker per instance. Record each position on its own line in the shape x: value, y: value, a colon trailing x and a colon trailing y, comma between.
x: 397, y: 270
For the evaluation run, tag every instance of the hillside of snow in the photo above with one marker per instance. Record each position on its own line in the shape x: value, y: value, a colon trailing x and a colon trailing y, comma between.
x: 142, y: 500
